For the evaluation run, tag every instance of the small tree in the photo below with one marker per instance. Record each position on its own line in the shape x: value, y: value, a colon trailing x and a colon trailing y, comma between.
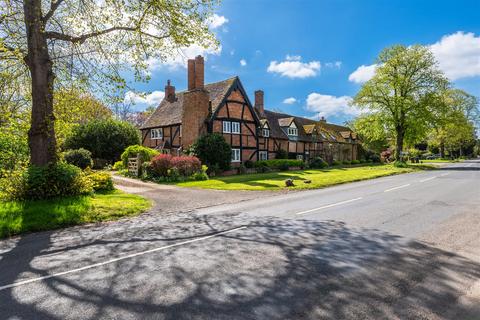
x: 213, y: 150
x: 105, y: 139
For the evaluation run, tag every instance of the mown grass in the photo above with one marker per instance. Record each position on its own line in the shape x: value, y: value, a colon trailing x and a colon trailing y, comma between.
x: 18, y: 217
x: 318, y: 178
x: 441, y: 161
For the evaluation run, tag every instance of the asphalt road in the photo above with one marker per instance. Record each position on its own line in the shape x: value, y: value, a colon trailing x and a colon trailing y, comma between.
x: 401, y: 247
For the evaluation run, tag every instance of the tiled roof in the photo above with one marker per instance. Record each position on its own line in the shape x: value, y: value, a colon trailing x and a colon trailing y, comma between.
x: 168, y: 113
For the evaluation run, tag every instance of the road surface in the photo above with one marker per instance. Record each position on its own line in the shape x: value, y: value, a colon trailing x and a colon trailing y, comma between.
x: 399, y: 247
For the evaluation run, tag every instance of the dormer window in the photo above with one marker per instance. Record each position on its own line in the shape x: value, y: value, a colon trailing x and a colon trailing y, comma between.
x: 292, y: 131
x: 266, y: 132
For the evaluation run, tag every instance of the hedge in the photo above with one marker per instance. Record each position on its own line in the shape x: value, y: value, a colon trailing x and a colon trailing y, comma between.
x: 282, y: 164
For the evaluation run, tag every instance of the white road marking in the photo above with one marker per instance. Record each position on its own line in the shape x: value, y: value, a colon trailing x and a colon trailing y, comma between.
x: 444, y: 174
x: 399, y: 187
x: 329, y: 206
x: 428, y: 179
x: 20, y: 283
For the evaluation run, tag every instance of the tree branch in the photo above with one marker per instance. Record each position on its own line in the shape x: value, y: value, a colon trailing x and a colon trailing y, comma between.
x: 53, y: 7
x: 82, y: 38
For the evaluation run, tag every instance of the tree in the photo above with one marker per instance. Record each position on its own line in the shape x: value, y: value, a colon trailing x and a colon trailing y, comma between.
x: 91, y: 41
x: 105, y: 139
x: 399, y: 92
x: 373, y: 132
x: 214, y: 151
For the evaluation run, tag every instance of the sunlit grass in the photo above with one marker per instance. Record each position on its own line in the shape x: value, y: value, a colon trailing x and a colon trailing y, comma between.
x: 26, y: 216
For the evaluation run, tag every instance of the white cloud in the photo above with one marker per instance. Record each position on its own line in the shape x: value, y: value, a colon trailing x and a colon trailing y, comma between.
x: 290, y: 100
x: 363, y: 73
x: 458, y: 55
x: 151, y: 99
x: 327, y: 105
x: 180, y: 59
x: 335, y: 64
x: 243, y: 62
x: 293, y: 67
x: 216, y: 21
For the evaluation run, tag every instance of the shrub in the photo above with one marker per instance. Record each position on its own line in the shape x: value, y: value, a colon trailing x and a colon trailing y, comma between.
x: 336, y: 163
x: 102, y: 181
x: 400, y: 164
x: 242, y: 169
x: 117, y: 166
x: 81, y: 158
x: 201, y: 175
x: 249, y: 164
x: 146, y: 154
x: 12, y: 184
x: 160, y: 164
x: 186, y: 165
x: 356, y: 162
x: 318, y: 163
x: 281, y: 154
x: 213, y: 150
x: 57, y: 180
x: 105, y: 139
x: 346, y: 162
x: 281, y: 164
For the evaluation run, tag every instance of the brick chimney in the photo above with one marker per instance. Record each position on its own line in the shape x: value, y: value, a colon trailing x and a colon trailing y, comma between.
x: 196, y: 103
x: 259, y: 101
x: 196, y: 73
x: 169, y: 92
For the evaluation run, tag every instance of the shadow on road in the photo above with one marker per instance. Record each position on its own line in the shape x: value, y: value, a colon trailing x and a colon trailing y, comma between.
x: 274, y: 269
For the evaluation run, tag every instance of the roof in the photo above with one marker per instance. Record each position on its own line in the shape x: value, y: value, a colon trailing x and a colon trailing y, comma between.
x: 169, y: 113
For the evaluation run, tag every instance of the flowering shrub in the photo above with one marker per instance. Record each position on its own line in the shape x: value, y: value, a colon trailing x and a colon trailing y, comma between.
x: 161, y: 164
x: 186, y: 165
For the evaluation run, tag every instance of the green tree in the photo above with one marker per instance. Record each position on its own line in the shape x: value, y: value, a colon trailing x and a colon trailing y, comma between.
x: 91, y: 41
x: 213, y: 150
x: 399, y: 92
x: 105, y: 139
x: 373, y: 132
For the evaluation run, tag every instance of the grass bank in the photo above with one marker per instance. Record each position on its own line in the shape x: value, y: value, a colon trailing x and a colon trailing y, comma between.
x: 18, y: 217
x: 318, y: 178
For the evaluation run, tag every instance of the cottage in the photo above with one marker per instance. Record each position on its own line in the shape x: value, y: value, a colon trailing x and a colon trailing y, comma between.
x: 253, y: 132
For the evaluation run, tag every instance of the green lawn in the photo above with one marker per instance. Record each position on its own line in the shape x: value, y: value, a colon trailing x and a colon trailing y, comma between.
x: 319, y: 178
x: 440, y: 161
x: 26, y: 216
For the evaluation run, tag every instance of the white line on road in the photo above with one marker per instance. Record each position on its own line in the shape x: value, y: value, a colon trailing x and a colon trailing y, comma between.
x: 399, y: 187
x: 428, y: 179
x: 20, y: 283
x: 444, y: 174
x: 329, y: 206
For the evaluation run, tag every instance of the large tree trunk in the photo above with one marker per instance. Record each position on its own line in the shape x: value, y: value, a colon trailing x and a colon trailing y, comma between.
x: 399, y: 145
x: 41, y: 136
x: 442, y: 149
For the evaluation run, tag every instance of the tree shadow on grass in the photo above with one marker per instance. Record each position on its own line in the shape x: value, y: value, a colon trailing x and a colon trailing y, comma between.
x: 273, y: 269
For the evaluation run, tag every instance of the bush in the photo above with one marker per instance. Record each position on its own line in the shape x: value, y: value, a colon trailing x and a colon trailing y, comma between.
x: 105, y: 139
x: 58, y: 180
x: 400, y: 164
x: 249, y: 164
x: 12, y: 184
x: 146, y: 154
x: 356, y: 162
x: 281, y: 154
x: 186, y: 165
x: 346, y: 162
x: 81, y: 158
x: 201, y: 175
x: 102, y: 181
x: 318, y: 163
x: 213, y: 150
x: 161, y: 164
x: 280, y: 164
x: 117, y: 166
x: 336, y: 163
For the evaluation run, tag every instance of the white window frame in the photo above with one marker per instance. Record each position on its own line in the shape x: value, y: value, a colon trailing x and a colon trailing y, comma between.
x: 266, y: 132
x: 299, y: 156
x: 263, y: 155
x: 226, y: 127
x: 235, y: 127
x: 156, y: 134
x: 292, y: 131
x: 236, y: 155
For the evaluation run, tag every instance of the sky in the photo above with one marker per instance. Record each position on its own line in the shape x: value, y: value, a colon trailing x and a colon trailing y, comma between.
x: 311, y: 57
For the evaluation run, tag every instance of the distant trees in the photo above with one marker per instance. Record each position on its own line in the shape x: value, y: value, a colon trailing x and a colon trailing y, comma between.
x: 398, y: 96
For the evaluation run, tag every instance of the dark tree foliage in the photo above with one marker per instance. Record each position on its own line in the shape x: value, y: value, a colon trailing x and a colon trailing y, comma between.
x: 105, y: 139
x: 214, y: 151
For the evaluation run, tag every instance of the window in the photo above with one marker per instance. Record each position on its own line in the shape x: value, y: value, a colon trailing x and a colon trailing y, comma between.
x: 235, y: 155
x: 227, y: 125
x: 263, y: 155
x: 156, y: 133
x: 266, y: 132
x: 292, y: 131
x: 236, y: 127
x: 299, y: 156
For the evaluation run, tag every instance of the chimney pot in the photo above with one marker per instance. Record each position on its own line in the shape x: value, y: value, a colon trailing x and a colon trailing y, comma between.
x: 322, y: 119
x: 199, y: 72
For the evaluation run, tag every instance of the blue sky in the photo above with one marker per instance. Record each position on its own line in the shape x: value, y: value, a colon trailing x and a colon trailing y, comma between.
x: 311, y: 52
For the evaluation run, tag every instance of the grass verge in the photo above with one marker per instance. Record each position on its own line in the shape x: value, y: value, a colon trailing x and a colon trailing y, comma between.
x: 318, y: 178
x: 27, y: 216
